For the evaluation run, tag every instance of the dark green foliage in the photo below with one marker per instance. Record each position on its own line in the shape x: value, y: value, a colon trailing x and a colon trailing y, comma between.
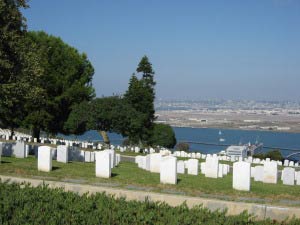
x: 42, y: 205
x: 140, y: 96
x: 163, y: 135
x: 107, y: 114
x: 273, y: 155
x: 19, y: 65
x: 66, y: 79
x: 182, y: 146
x: 78, y: 118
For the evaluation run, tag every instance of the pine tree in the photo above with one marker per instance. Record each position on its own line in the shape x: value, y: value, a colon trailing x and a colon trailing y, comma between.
x: 140, y: 96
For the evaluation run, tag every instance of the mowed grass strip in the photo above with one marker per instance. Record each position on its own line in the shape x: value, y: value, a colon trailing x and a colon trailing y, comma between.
x: 128, y: 175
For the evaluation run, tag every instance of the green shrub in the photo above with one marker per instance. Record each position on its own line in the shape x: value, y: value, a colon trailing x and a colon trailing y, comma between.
x: 182, y: 146
x: 273, y: 155
x: 41, y: 205
x: 163, y: 135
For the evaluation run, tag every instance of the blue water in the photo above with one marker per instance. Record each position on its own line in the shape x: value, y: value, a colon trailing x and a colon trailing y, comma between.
x: 210, y: 135
x: 277, y: 140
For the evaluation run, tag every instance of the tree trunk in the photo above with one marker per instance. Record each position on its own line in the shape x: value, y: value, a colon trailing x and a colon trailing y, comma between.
x: 104, y: 136
x: 12, y: 132
x: 36, y: 133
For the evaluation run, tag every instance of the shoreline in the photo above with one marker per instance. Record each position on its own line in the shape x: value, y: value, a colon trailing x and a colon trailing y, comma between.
x: 235, y: 128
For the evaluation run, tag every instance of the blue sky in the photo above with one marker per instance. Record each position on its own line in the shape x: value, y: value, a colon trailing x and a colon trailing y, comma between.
x: 228, y: 49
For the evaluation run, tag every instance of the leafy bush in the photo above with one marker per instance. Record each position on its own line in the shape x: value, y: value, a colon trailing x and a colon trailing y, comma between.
x: 182, y: 146
x: 163, y: 135
x: 273, y: 155
x: 41, y: 205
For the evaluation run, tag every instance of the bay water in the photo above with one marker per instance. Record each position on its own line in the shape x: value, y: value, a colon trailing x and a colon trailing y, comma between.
x: 273, y: 140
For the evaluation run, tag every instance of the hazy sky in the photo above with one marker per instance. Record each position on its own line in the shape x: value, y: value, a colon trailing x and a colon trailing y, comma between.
x: 227, y: 49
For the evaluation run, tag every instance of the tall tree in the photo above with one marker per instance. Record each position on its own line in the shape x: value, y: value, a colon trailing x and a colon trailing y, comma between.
x: 140, y: 96
x: 66, y: 79
x: 19, y: 65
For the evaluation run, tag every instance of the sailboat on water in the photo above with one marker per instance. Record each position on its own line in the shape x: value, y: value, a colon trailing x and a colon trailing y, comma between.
x: 221, y: 139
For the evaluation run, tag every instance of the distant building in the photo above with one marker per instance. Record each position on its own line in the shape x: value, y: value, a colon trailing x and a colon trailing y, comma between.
x: 236, y: 150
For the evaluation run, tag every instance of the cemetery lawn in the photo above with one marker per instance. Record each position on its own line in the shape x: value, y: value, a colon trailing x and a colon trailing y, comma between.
x: 128, y: 175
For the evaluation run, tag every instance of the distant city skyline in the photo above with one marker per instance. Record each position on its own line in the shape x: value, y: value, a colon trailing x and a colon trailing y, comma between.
x: 199, y: 49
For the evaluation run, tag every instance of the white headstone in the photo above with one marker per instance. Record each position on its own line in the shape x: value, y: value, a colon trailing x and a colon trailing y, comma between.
x: 258, y: 173
x: 138, y: 158
x: 252, y: 170
x: 62, y: 153
x: 298, y: 178
x: 118, y: 159
x: 241, y: 176
x: 136, y: 149
x: 286, y: 162
x: 193, y: 166
x: 211, y: 167
x: 168, y: 170
x: 180, y: 167
x: 152, y: 150
x: 26, y: 150
x: 147, y: 162
x: 226, y: 169
x: 87, y: 156
x: 202, y: 167
x: 112, y: 157
x: 220, y: 171
x: 288, y: 176
x: 103, y: 164
x: 155, y: 159
x: 270, y: 172
x: 20, y: 149
x: 82, y: 155
x: 92, y: 156
x: 44, y: 159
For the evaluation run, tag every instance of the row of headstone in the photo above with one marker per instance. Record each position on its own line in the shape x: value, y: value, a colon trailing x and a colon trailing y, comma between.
x: 18, y: 149
x: 289, y: 176
x: 18, y: 136
x: 105, y: 160
x: 267, y: 173
x: 211, y: 168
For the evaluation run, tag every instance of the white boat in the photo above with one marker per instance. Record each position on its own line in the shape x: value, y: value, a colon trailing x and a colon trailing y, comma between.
x: 221, y: 139
x: 220, y: 132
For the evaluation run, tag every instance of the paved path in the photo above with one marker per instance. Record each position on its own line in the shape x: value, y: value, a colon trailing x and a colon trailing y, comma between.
x: 261, y: 211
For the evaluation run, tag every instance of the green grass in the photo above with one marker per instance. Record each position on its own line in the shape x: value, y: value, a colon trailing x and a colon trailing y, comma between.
x: 128, y: 175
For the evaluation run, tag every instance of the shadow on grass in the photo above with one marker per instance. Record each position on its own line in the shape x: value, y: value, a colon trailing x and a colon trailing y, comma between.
x: 178, y: 180
x: 114, y: 174
x: 3, y: 162
x: 55, y: 168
